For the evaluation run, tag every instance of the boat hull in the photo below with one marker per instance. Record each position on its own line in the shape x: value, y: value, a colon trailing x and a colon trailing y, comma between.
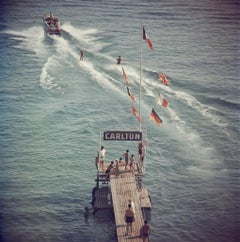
x: 51, y: 24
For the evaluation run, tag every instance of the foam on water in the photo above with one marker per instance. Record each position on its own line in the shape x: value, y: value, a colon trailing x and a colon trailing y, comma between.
x: 54, y: 106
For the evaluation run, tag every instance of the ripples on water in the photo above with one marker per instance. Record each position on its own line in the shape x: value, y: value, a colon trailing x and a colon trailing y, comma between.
x: 53, y: 108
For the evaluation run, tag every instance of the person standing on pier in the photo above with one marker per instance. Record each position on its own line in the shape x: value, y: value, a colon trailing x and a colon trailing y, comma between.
x: 118, y: 162
x: 97, y: 161
x: 102, y: 157
x: 140, y: 154
x: 129, y: 218
x: 145, y: 231
x: 117, y: 166
x: 126, y: 158
x: 132, y: 164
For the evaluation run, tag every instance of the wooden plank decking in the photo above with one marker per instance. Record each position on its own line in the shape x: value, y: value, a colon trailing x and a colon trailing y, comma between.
x: 124, y: 187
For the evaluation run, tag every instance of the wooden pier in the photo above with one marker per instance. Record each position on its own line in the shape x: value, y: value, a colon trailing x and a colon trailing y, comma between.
x: 115, y: 194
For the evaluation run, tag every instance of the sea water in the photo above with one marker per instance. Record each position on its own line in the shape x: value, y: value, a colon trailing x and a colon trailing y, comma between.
x: 54, y: 108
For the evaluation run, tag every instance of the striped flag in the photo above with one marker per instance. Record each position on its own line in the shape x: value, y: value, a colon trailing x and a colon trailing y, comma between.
x: 145, y: 37
x: 155, y: 118
x: 125, y: 75
x: 130, y: 94
x: 164, y: 102
x: 134, y: 112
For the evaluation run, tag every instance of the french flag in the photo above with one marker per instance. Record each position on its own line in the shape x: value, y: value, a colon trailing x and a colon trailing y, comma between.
x: 145, y: 37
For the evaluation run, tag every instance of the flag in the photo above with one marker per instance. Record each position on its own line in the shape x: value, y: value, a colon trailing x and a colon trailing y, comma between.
x: 164, y: 79
x: 155, y: 118
x: 145, y: 37
x: 161, y: 100
x: 164, y: 102
x: 125, y: 75
x: 130, y: 94
x: 134, y: 112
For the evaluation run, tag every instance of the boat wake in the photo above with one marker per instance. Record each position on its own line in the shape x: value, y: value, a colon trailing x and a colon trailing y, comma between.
x: 101, y: 66
x: 189, y: 101
x: 87, y: 38
x: 31, y: 39
x: 47, y: 80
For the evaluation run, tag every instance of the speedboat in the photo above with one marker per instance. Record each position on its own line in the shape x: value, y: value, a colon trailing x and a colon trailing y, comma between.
x: 51, y: 24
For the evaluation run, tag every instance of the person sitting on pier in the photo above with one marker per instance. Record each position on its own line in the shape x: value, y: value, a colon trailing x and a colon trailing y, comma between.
x: 132, y: 164
x: 129, y: 218
x: 131, y: 202
x: 108, y: 171
x: 145, y: 231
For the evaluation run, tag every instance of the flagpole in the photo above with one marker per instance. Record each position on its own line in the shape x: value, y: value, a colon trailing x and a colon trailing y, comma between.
x: 140, y: 81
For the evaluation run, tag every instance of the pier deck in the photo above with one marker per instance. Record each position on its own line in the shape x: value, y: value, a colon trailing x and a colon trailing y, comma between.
x: 124, y: 187
x: 115, y: 194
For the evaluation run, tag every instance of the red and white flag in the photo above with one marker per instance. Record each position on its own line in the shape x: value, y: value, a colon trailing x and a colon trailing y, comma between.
x: 164, y: 102
x: 164, y: 79
x: 145, y: 37
x: 134, y: 112
x: 125, y: 75
x: 130, y: 94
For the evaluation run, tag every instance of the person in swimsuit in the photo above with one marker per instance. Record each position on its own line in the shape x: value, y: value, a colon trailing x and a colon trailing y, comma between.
x: 129, y: 218
x: 97, y: 161
x: 86, y: 212
x: 126, y: 158
x: 102, y: 157
x: 81, y: 55
x: 145, y: 231
x: 132, y: 164
x: 107, y: 172
x: 119, y: 59
x: 131, y: 202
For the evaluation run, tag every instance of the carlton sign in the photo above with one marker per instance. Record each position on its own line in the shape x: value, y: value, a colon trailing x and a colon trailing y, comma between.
x: 122, y: 135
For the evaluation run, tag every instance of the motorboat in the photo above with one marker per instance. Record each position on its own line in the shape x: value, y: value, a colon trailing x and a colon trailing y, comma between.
x: 51, y: 24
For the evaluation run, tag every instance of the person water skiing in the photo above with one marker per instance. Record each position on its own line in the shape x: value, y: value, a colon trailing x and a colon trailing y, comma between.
x: 119, y: 59
x: 81, y: 55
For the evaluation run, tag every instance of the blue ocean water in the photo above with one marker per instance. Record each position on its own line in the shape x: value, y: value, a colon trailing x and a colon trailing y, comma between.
x: 53, y: 108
